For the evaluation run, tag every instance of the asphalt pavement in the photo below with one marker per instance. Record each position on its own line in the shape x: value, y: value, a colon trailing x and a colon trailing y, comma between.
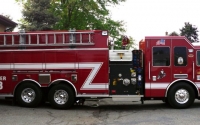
x: 103, y: 112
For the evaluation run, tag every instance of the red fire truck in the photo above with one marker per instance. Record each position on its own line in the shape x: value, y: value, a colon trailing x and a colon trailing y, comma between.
x: 64, y: 67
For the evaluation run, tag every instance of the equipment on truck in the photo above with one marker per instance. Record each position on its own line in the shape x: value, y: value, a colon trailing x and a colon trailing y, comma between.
x: 67, y: 67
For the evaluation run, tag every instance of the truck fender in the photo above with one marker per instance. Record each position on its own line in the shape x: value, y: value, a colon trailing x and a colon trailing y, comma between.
x: 179, y: 80
x: 26, y: 80
x: 66, y: 81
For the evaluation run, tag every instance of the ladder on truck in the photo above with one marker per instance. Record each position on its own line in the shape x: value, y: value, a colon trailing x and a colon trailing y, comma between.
x: 48, y: 38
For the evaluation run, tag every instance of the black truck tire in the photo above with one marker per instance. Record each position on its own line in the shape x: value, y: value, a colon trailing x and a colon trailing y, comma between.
x: 61, y: 96
x: 28, y: 95
x: 181, y: 95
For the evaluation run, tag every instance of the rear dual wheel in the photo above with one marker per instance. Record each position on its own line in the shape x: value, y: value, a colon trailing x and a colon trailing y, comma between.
x: 61, y: 96
x: 28, y: 95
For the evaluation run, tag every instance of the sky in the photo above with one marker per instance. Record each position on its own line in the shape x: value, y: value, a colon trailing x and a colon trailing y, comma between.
x: 142, y: 17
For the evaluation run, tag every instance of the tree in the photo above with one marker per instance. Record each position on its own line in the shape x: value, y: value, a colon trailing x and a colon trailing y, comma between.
x: 118, y: 43
x: 87, y: 14
x: 71, y: 14
x: 173, y: 34
x: 37, y: 15
x: 190, y: 31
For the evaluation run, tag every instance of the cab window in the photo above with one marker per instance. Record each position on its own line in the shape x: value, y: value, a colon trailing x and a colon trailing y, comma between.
x: 198, y: 58
x: 161, y: 56
x: 180, y: 56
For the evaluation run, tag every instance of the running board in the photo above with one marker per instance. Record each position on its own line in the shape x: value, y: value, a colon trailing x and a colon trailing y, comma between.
x: 127, y: 98
x: 5, y: 95
x: 93, y: 95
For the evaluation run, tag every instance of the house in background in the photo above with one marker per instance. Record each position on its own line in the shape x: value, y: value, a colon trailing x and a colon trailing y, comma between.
x: 6, y: 24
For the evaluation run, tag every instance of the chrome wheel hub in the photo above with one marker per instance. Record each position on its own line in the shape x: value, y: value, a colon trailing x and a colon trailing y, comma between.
x: 28, y: 95
x: 61, y: 97
x: 181, y: 96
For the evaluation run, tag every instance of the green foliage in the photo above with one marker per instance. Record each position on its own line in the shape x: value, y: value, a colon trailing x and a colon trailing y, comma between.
x: 72, y: 14
x: 173, y: 34
x: 87, y: 14
x: 118, y: 43
x: 190, y: 31
x: 37, y: 15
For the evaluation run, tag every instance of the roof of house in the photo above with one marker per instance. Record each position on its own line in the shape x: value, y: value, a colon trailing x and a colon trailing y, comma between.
x: 7, y: 22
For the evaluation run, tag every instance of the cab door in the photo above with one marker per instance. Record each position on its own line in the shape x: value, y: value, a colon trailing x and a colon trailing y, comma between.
x: 183, y: 63
x: 160, y: 66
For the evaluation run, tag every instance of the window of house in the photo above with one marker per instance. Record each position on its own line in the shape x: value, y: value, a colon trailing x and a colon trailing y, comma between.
x: 161, y: 56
